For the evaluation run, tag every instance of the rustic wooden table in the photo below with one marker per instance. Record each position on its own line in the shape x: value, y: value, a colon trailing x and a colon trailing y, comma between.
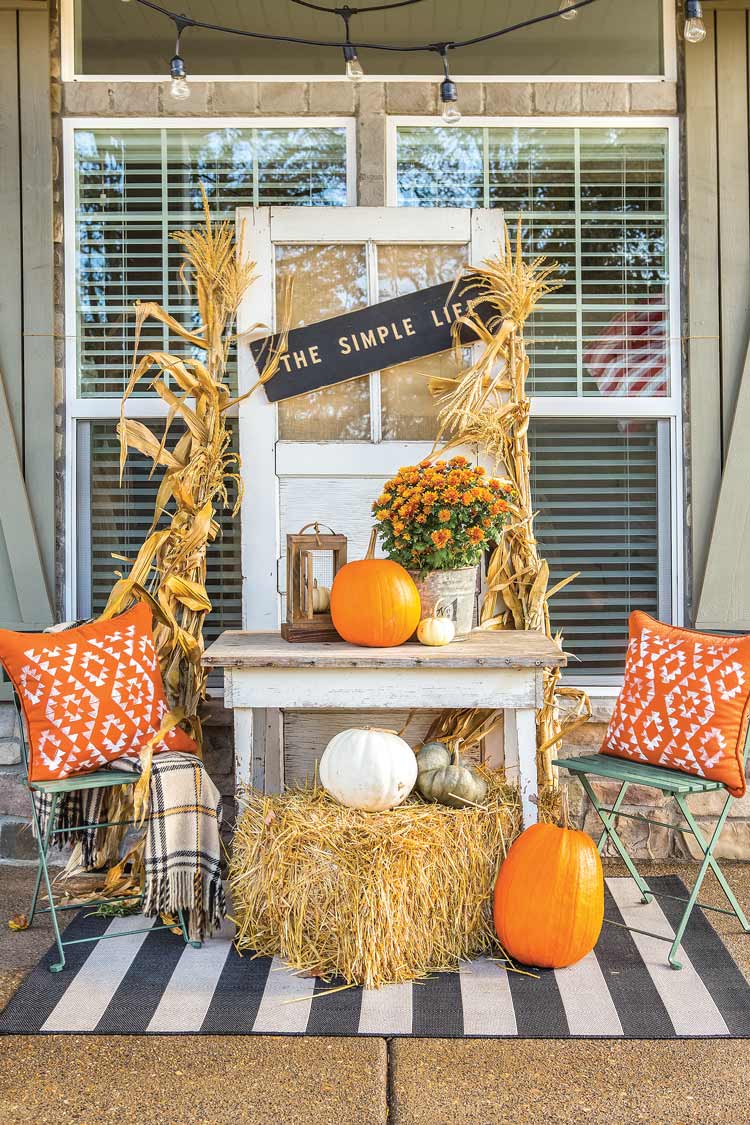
x: 262, y: 673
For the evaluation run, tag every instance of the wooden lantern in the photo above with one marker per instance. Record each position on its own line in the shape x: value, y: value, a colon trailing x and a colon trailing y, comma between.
x: 313, y: 560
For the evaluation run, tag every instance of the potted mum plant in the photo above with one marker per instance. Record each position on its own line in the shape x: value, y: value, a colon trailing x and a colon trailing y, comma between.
x: 436, y: 519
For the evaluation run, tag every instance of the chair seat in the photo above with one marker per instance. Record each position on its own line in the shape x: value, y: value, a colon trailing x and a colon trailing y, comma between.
x: 638, y: 773
x: 101, y: 779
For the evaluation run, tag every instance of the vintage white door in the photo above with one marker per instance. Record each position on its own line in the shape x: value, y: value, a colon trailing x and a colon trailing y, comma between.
x: 324, y: 455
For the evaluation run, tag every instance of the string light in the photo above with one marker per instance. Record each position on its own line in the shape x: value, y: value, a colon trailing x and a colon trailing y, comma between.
x: 178, y: 87
x: 695, y: 31
x: 354, y: 69
x: 451, y: 114
x: 695, y: 28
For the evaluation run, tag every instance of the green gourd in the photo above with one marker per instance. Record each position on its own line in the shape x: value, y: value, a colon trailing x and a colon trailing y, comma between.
x: 445, y: 778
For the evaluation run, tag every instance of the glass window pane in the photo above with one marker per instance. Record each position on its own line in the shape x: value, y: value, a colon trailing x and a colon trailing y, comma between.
x: 136, y: 187
x: 342, y: 412
x: 115, y: 38
x: 593, y: 200
x: 408, y: 411
x: 120, y: 517
x: 595, y: 488
x: 531, y: 170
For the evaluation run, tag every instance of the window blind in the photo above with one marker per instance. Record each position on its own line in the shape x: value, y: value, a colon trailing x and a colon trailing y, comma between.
x: 593, y: 200
x: 595, y: 488
x: 119, y: 517
x: 135, y: 188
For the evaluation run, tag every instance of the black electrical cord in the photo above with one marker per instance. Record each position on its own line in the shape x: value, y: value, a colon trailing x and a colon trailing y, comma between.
x: 184, y: 22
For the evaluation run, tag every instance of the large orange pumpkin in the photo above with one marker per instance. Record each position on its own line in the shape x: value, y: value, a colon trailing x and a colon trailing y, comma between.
x: 374, y: 602
x: 549, y: 897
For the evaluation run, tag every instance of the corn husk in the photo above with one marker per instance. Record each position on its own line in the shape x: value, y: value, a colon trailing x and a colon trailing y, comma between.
x: 369, y: 898
x: 199, y: 472
x: 488, y: 406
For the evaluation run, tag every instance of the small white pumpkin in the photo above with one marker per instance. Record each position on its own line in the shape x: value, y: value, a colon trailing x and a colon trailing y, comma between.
x: 321, y: 598
x: 368, y: 769
x: 436, y: 629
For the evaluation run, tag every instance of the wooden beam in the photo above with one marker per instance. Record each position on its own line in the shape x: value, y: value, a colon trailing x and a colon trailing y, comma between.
x: 11, y: 299
x: 704, y: 352
x: 725, y: 597
x: 38, y: 273
x: 734, y: 205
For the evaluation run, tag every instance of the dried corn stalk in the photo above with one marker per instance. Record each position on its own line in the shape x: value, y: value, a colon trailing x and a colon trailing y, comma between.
x: 199, y: 469
x: 488, y: 406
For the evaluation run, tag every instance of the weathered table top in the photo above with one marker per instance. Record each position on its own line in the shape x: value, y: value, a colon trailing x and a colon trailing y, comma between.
x: 489, y: 649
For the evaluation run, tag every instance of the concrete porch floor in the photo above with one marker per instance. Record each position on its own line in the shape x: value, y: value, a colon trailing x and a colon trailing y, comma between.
x: 215, y: 1080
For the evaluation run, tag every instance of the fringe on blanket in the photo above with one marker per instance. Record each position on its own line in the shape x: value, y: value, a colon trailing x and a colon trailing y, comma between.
x: 182, y: 845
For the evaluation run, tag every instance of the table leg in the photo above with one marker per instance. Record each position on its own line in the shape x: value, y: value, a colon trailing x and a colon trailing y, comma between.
x: 244, y: 774
x: 520, y: 757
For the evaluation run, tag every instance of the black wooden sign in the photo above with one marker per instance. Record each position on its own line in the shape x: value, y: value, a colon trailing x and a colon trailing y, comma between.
x: 356, y: 343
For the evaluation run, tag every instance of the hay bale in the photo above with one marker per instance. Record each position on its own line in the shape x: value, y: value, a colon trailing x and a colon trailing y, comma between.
x: 373, y: 898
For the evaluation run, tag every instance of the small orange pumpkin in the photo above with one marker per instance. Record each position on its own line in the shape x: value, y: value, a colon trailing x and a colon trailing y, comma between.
x: 549, y: 897
x: 374, y: 602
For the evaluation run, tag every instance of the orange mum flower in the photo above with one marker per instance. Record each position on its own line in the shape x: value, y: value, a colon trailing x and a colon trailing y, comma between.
x: 475, y: 534
x: 444, y: 515
x: 459, y: 460
x: 451, y: 495
x: 440, y: 538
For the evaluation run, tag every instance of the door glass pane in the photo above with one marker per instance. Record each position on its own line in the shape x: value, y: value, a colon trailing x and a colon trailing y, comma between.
x: 408, y: 410
x: 328, y: 280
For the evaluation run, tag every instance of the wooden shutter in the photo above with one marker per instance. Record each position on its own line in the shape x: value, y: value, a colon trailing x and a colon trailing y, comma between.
x: 27, y: 433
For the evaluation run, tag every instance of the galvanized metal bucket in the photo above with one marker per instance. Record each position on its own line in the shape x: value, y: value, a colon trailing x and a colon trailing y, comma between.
x: 455, y: 590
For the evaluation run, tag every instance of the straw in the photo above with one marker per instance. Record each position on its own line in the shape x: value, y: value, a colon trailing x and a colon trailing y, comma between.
x: 369, y: 898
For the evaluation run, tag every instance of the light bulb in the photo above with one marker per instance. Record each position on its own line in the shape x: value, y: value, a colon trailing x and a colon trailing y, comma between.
x: 451, y: 113
x: 354, y: 71
x: 567, y: 11
x: 179, y: 89
x: 695, y: 30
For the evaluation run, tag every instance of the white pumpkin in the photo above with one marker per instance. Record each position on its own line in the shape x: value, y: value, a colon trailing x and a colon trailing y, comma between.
x: 436, y: 631
x: 321, y: 598
x: 368, y: 769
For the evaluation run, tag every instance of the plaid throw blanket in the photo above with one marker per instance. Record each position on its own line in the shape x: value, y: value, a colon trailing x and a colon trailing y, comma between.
x: 182, y: 845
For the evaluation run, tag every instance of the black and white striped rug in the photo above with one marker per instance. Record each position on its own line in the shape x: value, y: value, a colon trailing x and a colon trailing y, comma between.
x: 152, y: 984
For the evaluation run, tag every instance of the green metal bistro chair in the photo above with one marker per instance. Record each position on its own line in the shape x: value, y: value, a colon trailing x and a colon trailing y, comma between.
x: 55, y: 790
x: 671, y: 783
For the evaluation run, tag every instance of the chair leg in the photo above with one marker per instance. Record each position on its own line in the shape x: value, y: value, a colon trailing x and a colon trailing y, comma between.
x: 708, y: 861
x: 185, y: 933
x: 43, y: 846
x: 610, y: 831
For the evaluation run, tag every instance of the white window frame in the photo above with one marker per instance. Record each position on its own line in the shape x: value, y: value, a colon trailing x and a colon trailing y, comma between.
x: 79, y: 409
x: 668, y: 409
x: 669, y: 60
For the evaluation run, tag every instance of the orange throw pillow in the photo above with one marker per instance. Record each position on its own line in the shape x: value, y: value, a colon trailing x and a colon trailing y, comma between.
x: 89, y: 695
x: 685, y: 702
